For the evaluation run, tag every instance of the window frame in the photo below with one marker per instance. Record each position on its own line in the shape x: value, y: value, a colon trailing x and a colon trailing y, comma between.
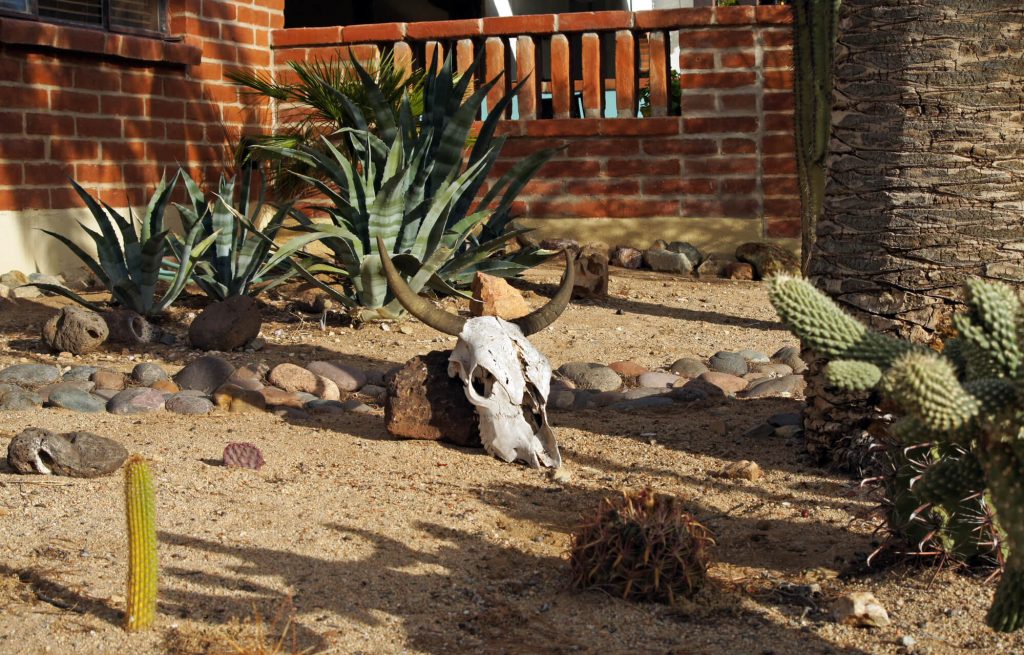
x: 32, y: 14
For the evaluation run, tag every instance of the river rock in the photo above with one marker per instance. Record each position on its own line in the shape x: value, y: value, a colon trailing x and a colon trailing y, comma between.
x: 626, y: 257
x: 784, y: 387
x: 14, y: 398
x: 246, y: 377
x: 183, y: 403
x: 14, y: 278
x: 76, y: 330
x: 74, y: 454
x: 346, y: 376
x: 861, y: 609
x: 226, y: 325
x: 768, y: 259
x: 68, y: 396
x: 728, y: 362
x: 773, y: 370
x: 82, y: 373
x: 204, y: 374
x: 238, y: 400
x: 274, y: 397
x: 635, y: 404
x: 790, y: 356
x: 292, y: 378
x: 147, y: 373
x: 591, y: 278
x: 738, y: 271
x: 30, y: 375
x: 753, y: 356
x: 730, y: 384
x: 743, y: 470
x: 137, y: 400
x: 628, y: 368
x: 685, y: 248
x: 106, y: 379
x: 688, y: 367
x: 590, y: 375
x: 423, y: 402
x: 658, y: 380
x: 668, y: 261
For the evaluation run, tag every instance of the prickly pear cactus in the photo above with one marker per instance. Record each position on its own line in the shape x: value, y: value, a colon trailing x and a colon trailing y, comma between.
x: 140, y: 506
x: 965, y: 402
x: 243, y: 455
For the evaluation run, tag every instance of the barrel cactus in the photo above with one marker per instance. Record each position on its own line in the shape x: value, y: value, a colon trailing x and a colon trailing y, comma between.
x: 965, y: 403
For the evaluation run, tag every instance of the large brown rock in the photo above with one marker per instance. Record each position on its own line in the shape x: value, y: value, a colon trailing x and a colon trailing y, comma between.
x: 768, y: 259
x: 130, y: 327
x: 424, y: 403
x: 226, y: 325
x: 493, y: 296
x: 76, y: 330
x: 591, y: 275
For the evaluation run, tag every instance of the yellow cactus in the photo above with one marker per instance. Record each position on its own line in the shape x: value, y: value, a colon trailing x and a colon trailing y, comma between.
x: 140, y: 507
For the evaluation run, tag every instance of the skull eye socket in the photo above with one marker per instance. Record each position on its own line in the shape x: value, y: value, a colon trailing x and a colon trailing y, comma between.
x: 530, y: 406
x: 482, y: 381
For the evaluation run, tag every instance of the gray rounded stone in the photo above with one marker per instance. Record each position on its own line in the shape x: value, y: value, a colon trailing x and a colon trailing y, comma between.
x: 561, y: 399
x: 642, y: 392
x: 668, y: 261
x: 106, y: 394
x: 684, y: 248
x: 30, y: 374
x: 74, y: 454
x: 790, y: 356
x: 688, y: 367
x: 773, y: 370
x: 138, y: 400
x: 347, y: 377
x: 146, y: 373
x: 753, y: 356
x: 589, y: 375
x: 80, y: 373
x: 786, y: 387
x: 692, y: 391
x: 184, y: 403
x: 15, y: 398
x: 70, y: 397
x: 657, y: 379
x: 205, y: 374
x: 728, y: 362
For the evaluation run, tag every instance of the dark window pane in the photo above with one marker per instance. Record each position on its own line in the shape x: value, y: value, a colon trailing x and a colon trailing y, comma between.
x: 14, y: 5
x: 135, y: 14
x: 89, y: 12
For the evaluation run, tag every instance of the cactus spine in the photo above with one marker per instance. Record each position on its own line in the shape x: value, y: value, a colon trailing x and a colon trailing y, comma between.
x: 967, y: 402
x: 815, y: 24
x: 140, y: 507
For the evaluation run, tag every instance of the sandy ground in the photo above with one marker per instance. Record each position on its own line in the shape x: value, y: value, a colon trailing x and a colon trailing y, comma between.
x: 358, y: 543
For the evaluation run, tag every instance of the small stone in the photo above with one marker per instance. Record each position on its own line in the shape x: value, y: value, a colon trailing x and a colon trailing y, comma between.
x: 699, y: 389
x: 730, y: 384
x: 560, y: 244
x: 354, y: 406
x: 686, y: 248
x: 30, y: 375
x: 165, y: 386
x: 274, y: 397
x: 658, y: 380
x: 70, y: 397
x: 641, y: 392
x: 81, y: 373
x: 711, y: 267
x: 183, y: 403
x: 591, y: 278
x: 626, y: 257
x: 14, y: 278
x: 105, y: 379
x: 76, y: 330
x: 768, y: 259
x: 374, y: 392
x: 688, y: 367
x: 106, y: 394
x: 561, y: 399
x: 326, y: 389
x: 753, y: 356
x: 860, y: 609
x: 6, y: 293
x: 24, y: 293
x: 784, y: 387
x: 138, y: 400
x: 293, y: 378
x: 243, y: 455
x: 147, y: 373
x: 773, y: 370
x: 204, y: 374
x: 74, y: 454
x: 738, y: 271
x: 790, y: 356
x: 605, y: 398
x: 728, y: 362
x: 14, y: 398
x: 238, y: 400
x: 628, y: 368
x: 42, y: 278
x: 494, y: 296
x: 759, y: 431
x: 256, y: 344
x: 589, y: 375
x: 668, y: 262
x: 226, y: 325
x: 247, y: 378
x: 907, y: 642
x: 319, y: 406
x: 346, y: 376
x: 561, y: 475
x: 44, y: 391
x: 742, y: 470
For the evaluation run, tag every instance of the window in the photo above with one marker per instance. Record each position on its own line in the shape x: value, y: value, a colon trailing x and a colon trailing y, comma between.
x: 114, y: 15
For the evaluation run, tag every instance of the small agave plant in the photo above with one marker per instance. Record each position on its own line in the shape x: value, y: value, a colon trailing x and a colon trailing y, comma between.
x: 408, y: 182
x: 128, y: 261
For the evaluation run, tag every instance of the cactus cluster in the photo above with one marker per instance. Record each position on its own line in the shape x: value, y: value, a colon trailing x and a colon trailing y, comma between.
x: 140, y: 508
x: 964, y: 406
x: 642, y: 547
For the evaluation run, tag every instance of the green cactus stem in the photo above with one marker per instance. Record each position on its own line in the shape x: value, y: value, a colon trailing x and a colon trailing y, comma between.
x: 140, y: 506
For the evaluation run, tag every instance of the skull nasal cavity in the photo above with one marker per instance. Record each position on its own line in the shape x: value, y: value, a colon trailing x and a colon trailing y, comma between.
x: 482, y: 381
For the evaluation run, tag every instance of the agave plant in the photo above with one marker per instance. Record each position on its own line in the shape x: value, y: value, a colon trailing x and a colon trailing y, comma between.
x: 312, y: 108
x: 410, y: 184
x: 237, y: 264
x: 129, y: 266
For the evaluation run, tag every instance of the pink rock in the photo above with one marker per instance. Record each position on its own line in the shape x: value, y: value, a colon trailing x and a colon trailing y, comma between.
x: 293, y: 378
x: 730, y: 384
x: 628, y: 368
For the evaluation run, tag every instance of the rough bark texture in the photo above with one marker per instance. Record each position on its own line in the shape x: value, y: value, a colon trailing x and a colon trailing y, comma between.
x: 926, y: 176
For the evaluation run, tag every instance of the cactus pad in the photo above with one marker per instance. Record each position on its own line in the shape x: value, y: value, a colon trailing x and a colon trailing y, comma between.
x: 243, y: 455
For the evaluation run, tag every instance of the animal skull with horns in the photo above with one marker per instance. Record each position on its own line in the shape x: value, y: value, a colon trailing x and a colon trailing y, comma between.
x: 505, y: 377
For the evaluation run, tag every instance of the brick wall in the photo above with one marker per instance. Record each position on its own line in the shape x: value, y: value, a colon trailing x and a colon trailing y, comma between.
x: 115, y: 111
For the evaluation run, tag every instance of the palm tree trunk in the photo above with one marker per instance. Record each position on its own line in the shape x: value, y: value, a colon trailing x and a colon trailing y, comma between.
x: 925, y: 180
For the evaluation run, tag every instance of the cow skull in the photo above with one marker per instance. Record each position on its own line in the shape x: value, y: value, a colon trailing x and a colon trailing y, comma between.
x: 505, y: 377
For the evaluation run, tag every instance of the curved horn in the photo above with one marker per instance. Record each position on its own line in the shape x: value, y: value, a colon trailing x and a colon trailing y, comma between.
x: 541, y: 318
x: 419, y: 307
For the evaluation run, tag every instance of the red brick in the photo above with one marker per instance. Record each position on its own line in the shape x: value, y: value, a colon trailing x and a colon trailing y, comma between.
x: 249, y: 16
x: 605, y: 187
x: 19, y: 96
x: 62, y: 100
x: 10, y: 69
x: 124, y: 106
x: 775, y: 80
x: 24, y: 32
x: 170, y: 109
x: 778, y: 122
x: 101, y: 127
x: 644, y: 167
x: 166, y: 152
x: 677, y: 185
x: 697, y: 60
x: 51, y: 124
x: 786, y: 207
x: 603, y: 148
x: 444, y: 29
x: 680, y: 147
x: 521, y: 147
x: 97, y: 174
x: 604, y: 208
x: 738, y: 59
x: 671, y: 18
x: 783, y: 228
x: 739, y: 186
x: 141, y: 173
x: 11, y: 173
x: 225, y: 11
x: 781, y: 58
x: 719, y: 124
x: 22, y: 149
x: 47, y: 173
x: 574, y: 168
x: 734, y: 15
x: 143, y: 128
x: 721, y: 166
x: 141, y: 84
x: 716, y: 38
x: 716, y: 80
x: 725, y: 207
x: 24, y: 198
x: 97, y: 79
x: 185, y: 131
x: 738, y: 146
x: 739, y: 102
x: 135, y: 47
x: 778, y: 144
x: 777, y: 14
x: 776, y: 38
x: 187, y: 53
x: 11, y: 123
x: 242, y: 34
x: 378, y: 33
x: 541, y: 188
x: 124, y: 151
x: 667, y: 126
x: 220, y: 51
x: 516, y: 25
x: 594, y: 21
x: 779, y: 101
x: 778, y: 165
x: 81, y: 39
x: 691, y: 102
x: 65, y: 150
x: 48, y: 73
x: 781, y: 186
